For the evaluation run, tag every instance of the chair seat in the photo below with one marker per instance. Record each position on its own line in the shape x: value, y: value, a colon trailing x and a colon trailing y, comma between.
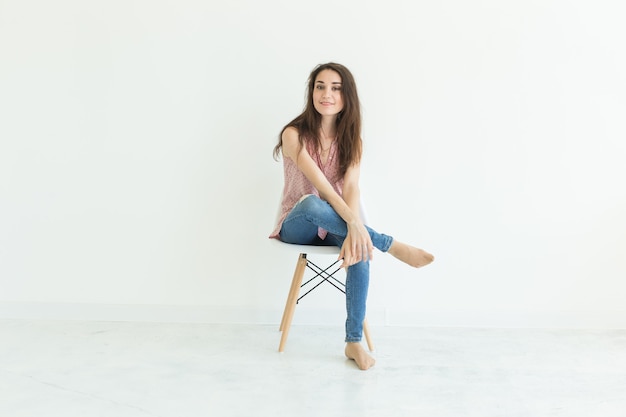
x: 312, y: 249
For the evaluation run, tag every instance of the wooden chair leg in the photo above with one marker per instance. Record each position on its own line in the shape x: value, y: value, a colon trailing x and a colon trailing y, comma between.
x: 368, y: 337
x: 290, y: 306
x: 293, y: 290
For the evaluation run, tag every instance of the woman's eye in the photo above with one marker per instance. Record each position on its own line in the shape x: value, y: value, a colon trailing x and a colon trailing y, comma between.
x: 336, y: 88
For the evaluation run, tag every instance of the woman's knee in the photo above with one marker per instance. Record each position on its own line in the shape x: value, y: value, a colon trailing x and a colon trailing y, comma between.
x: 312, y: 203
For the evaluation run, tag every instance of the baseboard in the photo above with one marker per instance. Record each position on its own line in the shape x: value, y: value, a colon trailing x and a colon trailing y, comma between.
x: 505, y: 319
x: 311, y: 316
x: 135, y: 312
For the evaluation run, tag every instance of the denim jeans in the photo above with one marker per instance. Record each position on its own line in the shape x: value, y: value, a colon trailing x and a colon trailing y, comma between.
x: 301, y: 227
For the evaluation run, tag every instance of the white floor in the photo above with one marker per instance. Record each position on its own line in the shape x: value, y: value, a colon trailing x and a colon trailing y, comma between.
x: 85, y: 369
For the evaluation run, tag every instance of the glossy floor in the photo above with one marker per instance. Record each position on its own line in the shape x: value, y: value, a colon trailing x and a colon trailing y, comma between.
x: 51, y: 368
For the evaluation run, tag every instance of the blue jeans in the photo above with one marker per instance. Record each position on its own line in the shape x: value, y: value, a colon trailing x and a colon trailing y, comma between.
x: 301, y: 226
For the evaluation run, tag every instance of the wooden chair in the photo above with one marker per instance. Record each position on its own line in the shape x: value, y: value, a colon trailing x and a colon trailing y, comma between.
x: 321, y: 274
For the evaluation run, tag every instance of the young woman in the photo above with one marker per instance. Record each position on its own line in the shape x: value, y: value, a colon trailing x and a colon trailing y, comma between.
x: 321, y: 151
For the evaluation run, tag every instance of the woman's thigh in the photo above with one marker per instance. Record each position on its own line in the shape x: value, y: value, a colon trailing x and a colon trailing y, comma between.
x: 303, y: 222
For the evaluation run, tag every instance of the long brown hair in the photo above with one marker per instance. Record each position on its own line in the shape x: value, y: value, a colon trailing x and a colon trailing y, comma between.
x: 308, y: 123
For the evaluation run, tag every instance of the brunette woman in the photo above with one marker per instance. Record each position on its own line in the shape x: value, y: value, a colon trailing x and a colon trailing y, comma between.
x: 321, y: 151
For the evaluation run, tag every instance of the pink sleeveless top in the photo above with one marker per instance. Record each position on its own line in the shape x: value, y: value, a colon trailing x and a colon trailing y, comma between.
x: 297, y: 185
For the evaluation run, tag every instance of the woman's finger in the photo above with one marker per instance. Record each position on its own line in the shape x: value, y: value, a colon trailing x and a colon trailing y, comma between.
x: 347, y: 256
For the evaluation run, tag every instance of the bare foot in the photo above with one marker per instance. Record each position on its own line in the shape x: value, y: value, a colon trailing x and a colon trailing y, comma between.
x: 408, y: 254
x: 356, y: 352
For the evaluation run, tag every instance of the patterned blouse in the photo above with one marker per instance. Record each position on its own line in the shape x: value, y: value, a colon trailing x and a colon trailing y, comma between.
x: 297, y: 185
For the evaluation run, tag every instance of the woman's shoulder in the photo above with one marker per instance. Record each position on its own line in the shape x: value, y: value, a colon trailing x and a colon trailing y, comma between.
x: 293, y: 135
x: 291, y: 142
x: 291, y: 132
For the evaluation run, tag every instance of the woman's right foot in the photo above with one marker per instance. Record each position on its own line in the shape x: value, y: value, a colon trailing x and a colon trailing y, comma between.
x: 410, y: 255
x: 356, y: 352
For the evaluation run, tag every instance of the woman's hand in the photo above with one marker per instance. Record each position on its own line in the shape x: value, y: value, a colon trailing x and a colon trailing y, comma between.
x: 357, y: 246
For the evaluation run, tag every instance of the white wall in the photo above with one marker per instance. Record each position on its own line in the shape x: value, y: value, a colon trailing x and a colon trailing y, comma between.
x: 136, y: 177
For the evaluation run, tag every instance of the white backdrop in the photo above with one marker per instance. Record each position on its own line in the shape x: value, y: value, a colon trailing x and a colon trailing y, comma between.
x: 137, y: 182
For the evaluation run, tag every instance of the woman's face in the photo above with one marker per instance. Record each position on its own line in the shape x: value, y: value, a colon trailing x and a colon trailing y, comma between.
x: 327, y: 97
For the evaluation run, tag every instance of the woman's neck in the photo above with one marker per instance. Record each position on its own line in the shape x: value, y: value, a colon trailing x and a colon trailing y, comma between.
x: 328, y: 131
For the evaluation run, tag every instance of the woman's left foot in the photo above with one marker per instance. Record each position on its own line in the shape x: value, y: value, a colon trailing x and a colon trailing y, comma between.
x: 356, y: 352
x: 410, y: 255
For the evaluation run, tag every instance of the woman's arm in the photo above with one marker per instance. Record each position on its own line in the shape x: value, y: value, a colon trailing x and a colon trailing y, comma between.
x: 361, y: 246
x: 357, y: 245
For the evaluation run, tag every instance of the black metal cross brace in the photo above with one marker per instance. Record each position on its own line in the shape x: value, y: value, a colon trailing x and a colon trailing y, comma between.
x: 325, y: 277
